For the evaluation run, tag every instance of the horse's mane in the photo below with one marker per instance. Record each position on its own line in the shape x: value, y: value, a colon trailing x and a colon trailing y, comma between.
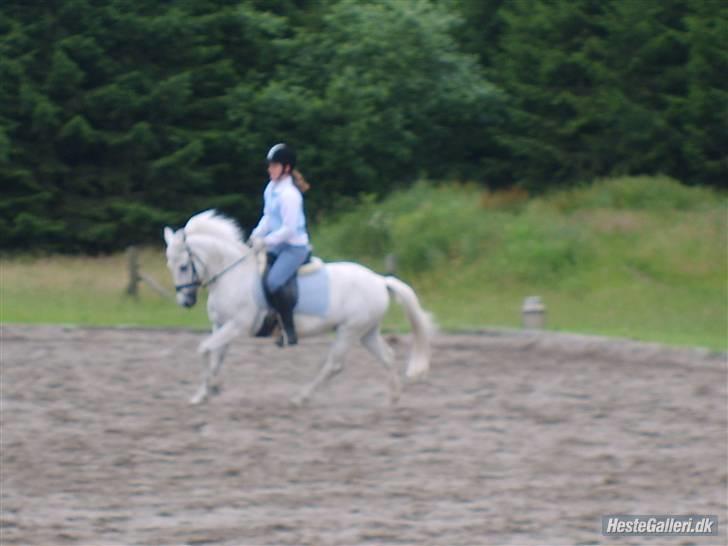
x: 211, y: 223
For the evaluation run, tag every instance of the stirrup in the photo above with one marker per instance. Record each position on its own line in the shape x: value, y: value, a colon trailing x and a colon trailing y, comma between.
x: 291, y: 337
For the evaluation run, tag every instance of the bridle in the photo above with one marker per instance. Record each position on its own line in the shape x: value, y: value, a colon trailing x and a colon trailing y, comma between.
x: 196, y: 281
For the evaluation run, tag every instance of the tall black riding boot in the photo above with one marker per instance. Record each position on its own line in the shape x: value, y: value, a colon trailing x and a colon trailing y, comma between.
x: 283, y: 301
x: 271, y: 318
x: 269, y: 324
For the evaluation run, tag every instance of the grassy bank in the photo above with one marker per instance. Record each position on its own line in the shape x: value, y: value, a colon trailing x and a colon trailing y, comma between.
x: 634, y: 257
x: 637, y: 257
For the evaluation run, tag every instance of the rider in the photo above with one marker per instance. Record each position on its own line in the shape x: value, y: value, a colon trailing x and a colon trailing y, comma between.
x: 282, y: 232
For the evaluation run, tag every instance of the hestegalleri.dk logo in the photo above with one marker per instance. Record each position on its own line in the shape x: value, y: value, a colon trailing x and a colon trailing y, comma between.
x: 660, y: 525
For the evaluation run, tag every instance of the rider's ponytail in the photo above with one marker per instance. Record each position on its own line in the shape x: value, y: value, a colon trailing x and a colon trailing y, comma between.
x: 300, y: 181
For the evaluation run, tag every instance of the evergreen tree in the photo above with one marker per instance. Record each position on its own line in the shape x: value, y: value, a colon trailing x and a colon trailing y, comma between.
x: 118, y: 115
x: 602, y: 88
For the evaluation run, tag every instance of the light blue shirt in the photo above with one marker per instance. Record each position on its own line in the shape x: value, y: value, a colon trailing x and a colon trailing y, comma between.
x: 283, y: 218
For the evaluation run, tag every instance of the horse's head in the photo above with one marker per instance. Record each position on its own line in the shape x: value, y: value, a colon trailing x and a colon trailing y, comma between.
x: 181, y: 263
x: 207, y: 247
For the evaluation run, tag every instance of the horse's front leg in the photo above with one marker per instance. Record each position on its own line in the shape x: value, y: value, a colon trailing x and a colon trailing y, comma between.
x: 213, y: 350
x: 211, y: 364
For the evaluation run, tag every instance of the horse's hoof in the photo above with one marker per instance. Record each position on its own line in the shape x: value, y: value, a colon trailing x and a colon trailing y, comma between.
x: 215, y: 390
x: 198, y: 399
x: 298, y: 400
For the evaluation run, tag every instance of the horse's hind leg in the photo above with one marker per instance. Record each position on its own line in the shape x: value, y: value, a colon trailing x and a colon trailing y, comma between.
x: 345, y: 338
x: 376, y: 345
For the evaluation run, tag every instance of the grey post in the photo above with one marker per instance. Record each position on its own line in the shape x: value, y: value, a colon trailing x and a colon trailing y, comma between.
x: 533, y: 313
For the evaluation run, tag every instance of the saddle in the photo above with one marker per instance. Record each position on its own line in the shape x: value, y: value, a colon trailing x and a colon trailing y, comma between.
x: 311, y: 265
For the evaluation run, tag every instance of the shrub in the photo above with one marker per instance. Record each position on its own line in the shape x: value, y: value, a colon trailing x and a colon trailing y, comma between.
x: 635, y: 193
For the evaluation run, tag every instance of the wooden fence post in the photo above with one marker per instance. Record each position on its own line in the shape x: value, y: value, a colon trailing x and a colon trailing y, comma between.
x: 132, y: 288
x: 136, y: 276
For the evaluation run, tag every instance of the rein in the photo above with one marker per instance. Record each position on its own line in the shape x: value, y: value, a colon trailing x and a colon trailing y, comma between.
x: 196, y: 282
x: 221, y: 273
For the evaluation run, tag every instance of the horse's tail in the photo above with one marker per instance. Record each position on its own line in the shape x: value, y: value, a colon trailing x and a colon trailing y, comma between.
x: 423, y: 326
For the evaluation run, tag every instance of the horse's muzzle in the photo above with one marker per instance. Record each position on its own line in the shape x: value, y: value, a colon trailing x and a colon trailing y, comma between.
x: 187, y: 299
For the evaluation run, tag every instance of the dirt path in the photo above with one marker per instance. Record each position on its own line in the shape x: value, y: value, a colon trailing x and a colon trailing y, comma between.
x: 512, y: 440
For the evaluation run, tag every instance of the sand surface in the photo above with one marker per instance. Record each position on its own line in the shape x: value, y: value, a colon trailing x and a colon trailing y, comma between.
x: 513, y: 439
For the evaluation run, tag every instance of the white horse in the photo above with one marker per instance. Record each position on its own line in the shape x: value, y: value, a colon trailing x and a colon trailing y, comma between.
x: 347, y: 298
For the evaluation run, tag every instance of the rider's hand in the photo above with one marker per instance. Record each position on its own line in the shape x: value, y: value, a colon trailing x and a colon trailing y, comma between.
x: 256, y: 243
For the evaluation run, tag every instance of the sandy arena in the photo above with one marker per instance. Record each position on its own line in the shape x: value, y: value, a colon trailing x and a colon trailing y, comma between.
x: 513, y: 439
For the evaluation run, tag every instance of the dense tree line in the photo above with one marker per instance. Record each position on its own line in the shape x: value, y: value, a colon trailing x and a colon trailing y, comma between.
x: 119, y: 116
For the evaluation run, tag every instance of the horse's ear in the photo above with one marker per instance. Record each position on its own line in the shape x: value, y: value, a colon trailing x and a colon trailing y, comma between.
x: 168, y: 235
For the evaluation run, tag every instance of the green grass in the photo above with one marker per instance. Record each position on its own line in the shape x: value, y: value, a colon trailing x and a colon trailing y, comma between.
x: 89, y: 291
x: 641, y: 257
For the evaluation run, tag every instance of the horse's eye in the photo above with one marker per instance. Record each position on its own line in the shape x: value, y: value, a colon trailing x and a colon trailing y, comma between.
x: 183, y: 268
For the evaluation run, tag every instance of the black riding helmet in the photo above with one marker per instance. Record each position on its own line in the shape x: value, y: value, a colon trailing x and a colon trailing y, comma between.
x: 283, y: 154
